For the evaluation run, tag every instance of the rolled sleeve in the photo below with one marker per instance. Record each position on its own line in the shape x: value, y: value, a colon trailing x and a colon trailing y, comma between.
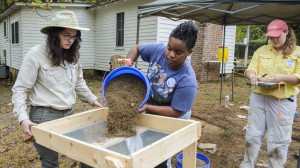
x: 22, y: 116
x: 82, y: 90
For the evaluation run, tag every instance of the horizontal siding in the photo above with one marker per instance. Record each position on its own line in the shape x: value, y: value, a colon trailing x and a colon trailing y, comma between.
x: 105, y: 31
x: 165, y: 27
x: 4, y: 42
x: 230, y: 34
x: 31, y: 30
x: 16, y: 49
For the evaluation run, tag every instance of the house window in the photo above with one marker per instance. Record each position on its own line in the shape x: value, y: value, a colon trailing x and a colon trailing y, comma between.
x: 15, y: 33
x: 4, y: 55
x: 4, y: 29
x: 120, y: 30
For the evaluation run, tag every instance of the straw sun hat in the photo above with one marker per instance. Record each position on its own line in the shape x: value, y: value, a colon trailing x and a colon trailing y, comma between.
x: 65, y: 19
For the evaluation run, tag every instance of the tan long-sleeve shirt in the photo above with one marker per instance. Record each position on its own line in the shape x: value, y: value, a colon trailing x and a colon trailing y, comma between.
x: 54, y: 87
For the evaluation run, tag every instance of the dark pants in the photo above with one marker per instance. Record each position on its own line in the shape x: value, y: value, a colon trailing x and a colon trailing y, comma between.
x: 298, y: 161
x: 162, y: 165
x: 37, y: 114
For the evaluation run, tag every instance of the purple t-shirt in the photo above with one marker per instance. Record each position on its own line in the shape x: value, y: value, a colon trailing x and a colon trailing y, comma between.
x: 169, y: 87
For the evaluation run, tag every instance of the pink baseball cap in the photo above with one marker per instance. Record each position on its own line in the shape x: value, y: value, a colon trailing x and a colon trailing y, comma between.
x: 276, y: 27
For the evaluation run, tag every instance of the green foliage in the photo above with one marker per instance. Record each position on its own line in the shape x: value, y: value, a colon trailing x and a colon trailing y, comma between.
x: 256, y: 32
x: 103, y: 1
x: 253, y: 46
x: 39, y: 3
x: 45, y: 5
x: 89, y: 1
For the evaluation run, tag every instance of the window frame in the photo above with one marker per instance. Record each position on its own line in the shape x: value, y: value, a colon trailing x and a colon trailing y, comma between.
x: 5, y: 28
x: 120, y: 17
x: 15, y: 33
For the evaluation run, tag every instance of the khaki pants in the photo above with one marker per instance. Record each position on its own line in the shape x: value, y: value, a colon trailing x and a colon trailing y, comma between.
x: 262, y: 118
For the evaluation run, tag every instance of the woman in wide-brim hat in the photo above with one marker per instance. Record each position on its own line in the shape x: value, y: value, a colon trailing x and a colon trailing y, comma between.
x: 53, y: 72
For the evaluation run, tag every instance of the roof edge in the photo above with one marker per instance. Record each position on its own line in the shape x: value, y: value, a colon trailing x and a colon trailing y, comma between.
x: 18, y: 5
x: 101, y: 4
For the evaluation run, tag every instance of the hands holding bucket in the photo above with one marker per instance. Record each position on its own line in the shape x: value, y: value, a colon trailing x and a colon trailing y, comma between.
x: 127, y: 70
x: 126, y: 61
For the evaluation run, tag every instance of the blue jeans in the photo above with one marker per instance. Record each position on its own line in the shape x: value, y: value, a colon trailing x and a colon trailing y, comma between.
x: 39, y: 114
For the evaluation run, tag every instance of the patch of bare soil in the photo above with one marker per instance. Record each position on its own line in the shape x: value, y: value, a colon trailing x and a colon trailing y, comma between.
x: 220, y: 126
x: 223, y: 127
x: 123, y: 95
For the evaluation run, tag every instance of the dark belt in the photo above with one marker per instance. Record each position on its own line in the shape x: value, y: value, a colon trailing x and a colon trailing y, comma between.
x: 43, y: 107
x: 290, y: 99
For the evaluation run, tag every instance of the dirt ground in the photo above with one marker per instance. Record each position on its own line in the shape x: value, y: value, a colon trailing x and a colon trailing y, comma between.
x: 220, y: 126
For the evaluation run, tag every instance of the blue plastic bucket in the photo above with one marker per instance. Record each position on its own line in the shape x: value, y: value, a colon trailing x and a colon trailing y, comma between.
x: 199, y: 156
x: 296, y: 115
x: 122, y: 71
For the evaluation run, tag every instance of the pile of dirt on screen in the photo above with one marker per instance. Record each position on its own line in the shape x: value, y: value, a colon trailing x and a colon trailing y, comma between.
x: 123, y: 95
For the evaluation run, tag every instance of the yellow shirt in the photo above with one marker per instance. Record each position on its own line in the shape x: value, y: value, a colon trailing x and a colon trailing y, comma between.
x: 266, y: 61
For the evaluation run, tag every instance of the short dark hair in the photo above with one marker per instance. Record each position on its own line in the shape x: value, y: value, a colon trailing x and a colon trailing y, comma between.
x: 186, y: 32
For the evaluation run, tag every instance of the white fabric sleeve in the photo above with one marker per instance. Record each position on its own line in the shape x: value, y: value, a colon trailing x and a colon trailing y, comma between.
x: 25, y: 80
x: 84, y: 93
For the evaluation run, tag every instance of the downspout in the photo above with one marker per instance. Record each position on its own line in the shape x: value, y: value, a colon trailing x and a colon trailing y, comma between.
x: 9, y: 39
x: 11, y: 76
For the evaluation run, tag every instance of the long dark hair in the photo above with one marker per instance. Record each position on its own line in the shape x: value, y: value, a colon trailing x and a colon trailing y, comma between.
x: 57, y: 54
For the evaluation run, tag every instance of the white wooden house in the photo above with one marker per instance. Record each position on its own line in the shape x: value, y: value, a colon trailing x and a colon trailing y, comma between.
x: 20, y: 30
x: 113, y: 31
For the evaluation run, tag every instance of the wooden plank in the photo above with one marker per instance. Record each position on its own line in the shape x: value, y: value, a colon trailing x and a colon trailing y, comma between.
x: 189, y: 156
x: 165, y: 148
x: 162, y: 123
x: 113, y: 162
x: 183, y: 133
x: 78, y: 150
x: 75, y: 121
x: 199, y: 129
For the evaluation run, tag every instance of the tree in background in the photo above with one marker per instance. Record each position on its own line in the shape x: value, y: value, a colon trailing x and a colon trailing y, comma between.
x: 46, y: 4
x: 257, y: 32
x: 257, y: 38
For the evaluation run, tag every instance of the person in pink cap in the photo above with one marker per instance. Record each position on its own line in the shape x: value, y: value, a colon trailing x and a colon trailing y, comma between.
x: 271, y: 109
